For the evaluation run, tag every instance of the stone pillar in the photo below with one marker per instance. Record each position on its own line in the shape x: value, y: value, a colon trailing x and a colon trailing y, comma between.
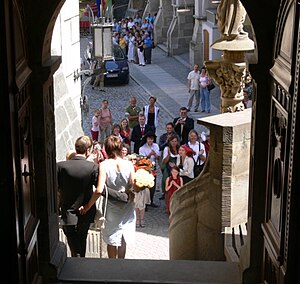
x: 162, y: 22
x: 181, y: 28
x: 136, y: 5
x: 216, y: 199
x: 196, y: 44
x: 151, y: 7
x: 229, y: 72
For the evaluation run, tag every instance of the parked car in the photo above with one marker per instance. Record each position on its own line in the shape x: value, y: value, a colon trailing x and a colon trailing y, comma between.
x: 117, y: 69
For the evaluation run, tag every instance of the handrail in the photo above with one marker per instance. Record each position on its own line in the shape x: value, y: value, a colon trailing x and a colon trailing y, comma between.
x: 91, y: 12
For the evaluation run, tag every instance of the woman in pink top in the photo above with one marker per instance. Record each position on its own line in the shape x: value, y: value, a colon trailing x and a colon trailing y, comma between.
x: 105, y: 121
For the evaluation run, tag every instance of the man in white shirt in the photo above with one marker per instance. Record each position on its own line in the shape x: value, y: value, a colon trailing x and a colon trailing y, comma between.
x: 194, y: 87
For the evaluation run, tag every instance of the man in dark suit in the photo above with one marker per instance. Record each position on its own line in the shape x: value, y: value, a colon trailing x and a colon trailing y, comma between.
x: 164, y: 138
x: 138, y: 133
x: 76, y: 178
x: 183, y: 125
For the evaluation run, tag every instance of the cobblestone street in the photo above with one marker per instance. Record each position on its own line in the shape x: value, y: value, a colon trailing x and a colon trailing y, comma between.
x: 152, y: 241
x: 166, y: 79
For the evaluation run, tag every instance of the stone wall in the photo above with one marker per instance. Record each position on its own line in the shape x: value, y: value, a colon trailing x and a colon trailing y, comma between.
x: 67, y: 91
x: 162, y: 22
x: 180, y: 32
x: 216, y: 199
x: 151, y: 7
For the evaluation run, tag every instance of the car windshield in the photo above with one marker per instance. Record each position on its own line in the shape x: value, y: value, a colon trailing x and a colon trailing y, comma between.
x: 118, y: 54
x: 111, y: 65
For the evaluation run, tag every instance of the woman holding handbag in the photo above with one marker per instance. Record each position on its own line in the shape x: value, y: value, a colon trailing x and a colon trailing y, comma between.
x: 205, y: 81
x: 199, y: 153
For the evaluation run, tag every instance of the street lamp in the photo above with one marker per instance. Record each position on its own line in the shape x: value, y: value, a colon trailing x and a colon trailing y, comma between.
x: 103, y: 40
x: 102, y: 45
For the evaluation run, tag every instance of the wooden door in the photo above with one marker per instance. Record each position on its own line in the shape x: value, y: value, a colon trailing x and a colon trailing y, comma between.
x: 19, y: 112
x: 279, y: 226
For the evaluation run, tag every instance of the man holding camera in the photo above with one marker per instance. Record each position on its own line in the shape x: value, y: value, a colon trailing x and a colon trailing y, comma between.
x: 183, y: 125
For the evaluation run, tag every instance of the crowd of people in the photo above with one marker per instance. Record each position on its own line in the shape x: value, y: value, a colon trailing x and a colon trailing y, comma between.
x: 135, y: 37
x: 103, y: 160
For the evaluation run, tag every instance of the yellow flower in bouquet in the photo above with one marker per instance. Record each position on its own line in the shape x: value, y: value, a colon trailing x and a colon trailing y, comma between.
x: 143, y: 179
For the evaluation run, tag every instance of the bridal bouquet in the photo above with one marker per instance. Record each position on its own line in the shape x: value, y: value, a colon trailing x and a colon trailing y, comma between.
x: 142, y: 180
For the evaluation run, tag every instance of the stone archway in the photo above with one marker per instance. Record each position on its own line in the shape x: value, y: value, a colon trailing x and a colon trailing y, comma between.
x: 33, y: 86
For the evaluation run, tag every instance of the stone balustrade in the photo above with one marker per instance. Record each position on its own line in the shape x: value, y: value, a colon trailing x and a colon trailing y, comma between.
x: 218, y: 198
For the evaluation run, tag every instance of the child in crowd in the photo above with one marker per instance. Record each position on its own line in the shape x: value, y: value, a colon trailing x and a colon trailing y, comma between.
x: 95, y: 125
x: 105, y: 121
x: 141, y: 199
x: 173, y: 183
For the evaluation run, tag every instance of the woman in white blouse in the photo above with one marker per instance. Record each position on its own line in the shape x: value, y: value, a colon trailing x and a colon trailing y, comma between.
x: 185, y: 163
x: 150, y: 150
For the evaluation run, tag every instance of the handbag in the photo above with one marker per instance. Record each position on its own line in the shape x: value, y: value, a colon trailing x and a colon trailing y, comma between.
x: 197, y: 169
x: 211, y: 86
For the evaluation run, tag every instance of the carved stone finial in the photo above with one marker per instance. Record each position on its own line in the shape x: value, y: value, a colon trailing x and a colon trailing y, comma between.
x: 229, y: 72
x: 231, y: 16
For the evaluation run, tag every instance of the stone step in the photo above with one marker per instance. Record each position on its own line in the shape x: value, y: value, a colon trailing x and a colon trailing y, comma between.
x: 91, y: 270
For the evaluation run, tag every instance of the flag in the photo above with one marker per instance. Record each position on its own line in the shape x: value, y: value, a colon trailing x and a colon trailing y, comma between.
x: 109, y: 9
x: 106, y: 8
x: 98, y: 3
x: 109, y: 4
x: 103, y: 2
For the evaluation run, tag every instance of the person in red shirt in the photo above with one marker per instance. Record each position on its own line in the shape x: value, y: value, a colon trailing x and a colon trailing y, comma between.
x: 125, y: 132
x: 173, y: 183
